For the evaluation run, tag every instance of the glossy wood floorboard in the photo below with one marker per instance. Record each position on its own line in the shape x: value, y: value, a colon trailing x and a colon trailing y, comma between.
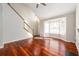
x: 39, y: 47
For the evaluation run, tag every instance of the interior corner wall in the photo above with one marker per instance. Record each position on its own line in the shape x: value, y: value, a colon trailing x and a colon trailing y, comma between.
x: 70, y: 27
x: 41, y: 28
x: 1, y: 38
x: 77, y: 27
x: 36, y: 26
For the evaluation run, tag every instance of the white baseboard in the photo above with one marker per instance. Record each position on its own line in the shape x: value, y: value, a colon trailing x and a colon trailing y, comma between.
x: 14, y: 40
x: 70, y: 41
x: 11, y: 41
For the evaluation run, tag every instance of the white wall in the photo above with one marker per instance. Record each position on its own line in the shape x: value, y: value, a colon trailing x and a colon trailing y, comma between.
x: 41, y: 28
x: 28, y: 15
x: 70, y: 27
x: 1, y: 39
x: 13, y: 25
x: 77, y: 26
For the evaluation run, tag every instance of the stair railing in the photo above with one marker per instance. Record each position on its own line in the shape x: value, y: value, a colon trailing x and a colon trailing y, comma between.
x: 22, y: 19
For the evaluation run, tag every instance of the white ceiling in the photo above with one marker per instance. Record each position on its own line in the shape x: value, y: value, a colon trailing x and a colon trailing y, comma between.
x: 52, y: 9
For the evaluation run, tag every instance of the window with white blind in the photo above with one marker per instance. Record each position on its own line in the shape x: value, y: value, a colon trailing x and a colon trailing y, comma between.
x: 55, y: 26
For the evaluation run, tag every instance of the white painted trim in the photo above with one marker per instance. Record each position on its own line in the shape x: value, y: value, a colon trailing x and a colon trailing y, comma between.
x: 64, y: 39
x: 11, y: 41
x: 70, y: 41
x: 14, y: 40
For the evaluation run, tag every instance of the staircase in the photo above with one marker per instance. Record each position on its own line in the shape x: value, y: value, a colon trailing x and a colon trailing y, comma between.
x: 24, y: 21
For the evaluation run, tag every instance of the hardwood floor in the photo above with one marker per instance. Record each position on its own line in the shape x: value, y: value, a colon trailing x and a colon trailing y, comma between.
x: 39, y: 47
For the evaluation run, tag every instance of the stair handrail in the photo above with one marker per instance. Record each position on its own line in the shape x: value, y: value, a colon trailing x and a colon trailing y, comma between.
x: 21, y: 18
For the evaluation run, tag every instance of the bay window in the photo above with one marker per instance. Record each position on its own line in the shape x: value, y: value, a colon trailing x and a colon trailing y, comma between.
x: 55, y: 26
